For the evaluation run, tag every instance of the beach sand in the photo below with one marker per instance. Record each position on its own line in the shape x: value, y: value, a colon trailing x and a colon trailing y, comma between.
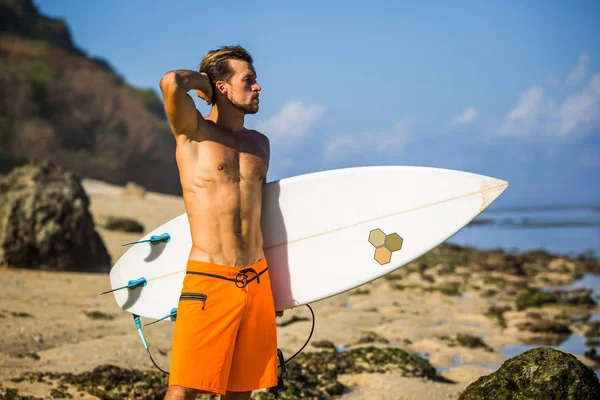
x: 47, y: 325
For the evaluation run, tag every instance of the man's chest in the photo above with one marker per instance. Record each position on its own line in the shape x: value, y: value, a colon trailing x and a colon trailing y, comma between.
x: 225, y: 160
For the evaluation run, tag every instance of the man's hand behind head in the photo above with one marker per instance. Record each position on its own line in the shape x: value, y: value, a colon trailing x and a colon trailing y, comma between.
x: 207, y: 97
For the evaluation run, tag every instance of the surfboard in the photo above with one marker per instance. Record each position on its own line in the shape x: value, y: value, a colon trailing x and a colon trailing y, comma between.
x: 324, y: 233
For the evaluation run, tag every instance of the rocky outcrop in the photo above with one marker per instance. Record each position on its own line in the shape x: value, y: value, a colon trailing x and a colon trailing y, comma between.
x: 115, y: 133
x: 541, y: 373
x: 45, y: 222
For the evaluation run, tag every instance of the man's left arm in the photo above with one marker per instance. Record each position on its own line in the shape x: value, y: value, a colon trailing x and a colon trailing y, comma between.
x: 267, y: 147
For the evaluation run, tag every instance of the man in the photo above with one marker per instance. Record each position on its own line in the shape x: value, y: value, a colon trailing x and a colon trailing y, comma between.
x: 225, y: 337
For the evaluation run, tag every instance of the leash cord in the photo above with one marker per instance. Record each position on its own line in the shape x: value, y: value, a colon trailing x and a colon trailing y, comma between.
x: 309, y: 336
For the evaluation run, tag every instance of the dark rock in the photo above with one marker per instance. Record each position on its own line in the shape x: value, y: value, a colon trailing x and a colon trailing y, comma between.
x: 292, y: 320
x: 310, y: 375
x: 593, y: 355
x: 324, y: 344
x: 123, y: 224
x: 314, y: 375
x: 98, y: 315
x: 546, y: 340
x: 13, y: 394
x: 471, y: 341
x: 447, y: 288
x: 578, y: 297
x: 538, y: 298
x: 541, y: 373
x: 360, y: 292
x: 59, y: 394
x: 497, y: 312
x: 108, y: 382
x: 372, y: 337
x: 593, y: 330
x: 545, y: 326
x: 45, y: 222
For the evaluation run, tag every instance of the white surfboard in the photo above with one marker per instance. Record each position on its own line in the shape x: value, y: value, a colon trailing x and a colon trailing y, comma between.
x: 324, y: 233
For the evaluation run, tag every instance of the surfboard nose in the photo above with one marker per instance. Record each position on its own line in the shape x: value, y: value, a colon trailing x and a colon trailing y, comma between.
x: 491, y: 188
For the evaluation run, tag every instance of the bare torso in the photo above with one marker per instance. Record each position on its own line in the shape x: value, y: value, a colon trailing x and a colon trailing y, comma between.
x: 222, y: 176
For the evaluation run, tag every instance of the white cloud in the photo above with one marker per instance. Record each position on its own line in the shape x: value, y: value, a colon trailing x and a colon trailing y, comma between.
x: 293, y: 122
x: 466, y: 117
x: 535, y: 114
x: 522, y: 119
x: 393, y: 140
x: 553, y: 81
x: 580, y: 72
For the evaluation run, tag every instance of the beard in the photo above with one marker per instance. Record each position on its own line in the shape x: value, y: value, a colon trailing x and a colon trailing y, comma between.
x: 244, y: 108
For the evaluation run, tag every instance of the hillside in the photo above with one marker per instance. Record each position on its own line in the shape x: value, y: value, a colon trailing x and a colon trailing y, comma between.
x: 58, y: 104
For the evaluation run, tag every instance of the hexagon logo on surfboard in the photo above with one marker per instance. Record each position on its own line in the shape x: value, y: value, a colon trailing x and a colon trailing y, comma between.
x: 384, y: 245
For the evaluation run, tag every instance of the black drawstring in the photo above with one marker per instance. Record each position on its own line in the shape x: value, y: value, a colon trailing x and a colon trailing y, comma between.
x: 240, y: 280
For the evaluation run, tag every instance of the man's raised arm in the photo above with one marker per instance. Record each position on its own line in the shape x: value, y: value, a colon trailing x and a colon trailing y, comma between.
x: 181, y: 110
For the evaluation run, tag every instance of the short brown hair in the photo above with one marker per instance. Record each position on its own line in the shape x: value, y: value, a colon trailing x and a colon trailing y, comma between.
x: 215, y: 63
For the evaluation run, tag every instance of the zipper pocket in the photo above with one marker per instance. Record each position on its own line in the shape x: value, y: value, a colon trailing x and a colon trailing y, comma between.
x: 195, y: 297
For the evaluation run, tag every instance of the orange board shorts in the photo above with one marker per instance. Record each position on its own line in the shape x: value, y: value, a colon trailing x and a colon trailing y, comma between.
x: 225, y: 334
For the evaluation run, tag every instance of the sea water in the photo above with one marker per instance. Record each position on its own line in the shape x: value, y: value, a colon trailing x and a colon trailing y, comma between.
x: 564, y: 230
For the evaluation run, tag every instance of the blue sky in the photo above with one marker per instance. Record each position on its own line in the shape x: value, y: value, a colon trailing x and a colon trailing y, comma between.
x: 507, y: 89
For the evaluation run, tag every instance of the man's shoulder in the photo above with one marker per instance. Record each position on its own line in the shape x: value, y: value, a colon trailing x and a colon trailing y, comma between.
x: 258, y: 135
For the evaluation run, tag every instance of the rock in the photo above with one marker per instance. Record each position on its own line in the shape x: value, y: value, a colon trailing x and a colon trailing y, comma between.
x: 497, y: 312
x: 537, y: 298
x: 107, y: 382
x: 472, y: 342
x: 292, y: 320
x: 593, y: 330
x: 7, y: 393
x: 541, y: 373
x: 315, y: 375
x: 132, y: 189
x: 45, y: 222
x: 592, y: 354
x: 324, y: 344
x: 545, y: 326
x: 123, y: 224
x: 372, y: 337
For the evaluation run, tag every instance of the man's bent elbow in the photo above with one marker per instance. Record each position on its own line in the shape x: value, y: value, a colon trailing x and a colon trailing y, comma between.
x: 169, y: 81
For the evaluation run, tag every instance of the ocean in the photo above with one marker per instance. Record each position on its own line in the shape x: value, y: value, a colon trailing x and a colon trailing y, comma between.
x: 562, y: 229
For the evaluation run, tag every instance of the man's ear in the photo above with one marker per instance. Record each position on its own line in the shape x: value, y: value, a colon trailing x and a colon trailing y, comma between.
x: 221, y: 87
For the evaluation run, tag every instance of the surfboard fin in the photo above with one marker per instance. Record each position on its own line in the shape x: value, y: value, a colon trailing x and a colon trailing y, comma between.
x: 132, y: 284
x: 172, y: 315
x: 154, y: 239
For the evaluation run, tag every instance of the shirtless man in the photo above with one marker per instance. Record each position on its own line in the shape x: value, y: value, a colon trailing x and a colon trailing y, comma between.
x: 225, y: 339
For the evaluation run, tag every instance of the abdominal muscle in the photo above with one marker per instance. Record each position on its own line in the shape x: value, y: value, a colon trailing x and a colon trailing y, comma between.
x: 224, y: 220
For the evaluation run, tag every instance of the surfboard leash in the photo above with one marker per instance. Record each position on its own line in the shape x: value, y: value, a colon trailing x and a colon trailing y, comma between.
x: 138, y: 326
x: 282, y: 371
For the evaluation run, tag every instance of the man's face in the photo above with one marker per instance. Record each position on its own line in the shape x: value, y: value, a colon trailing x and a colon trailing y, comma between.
x: 243, y: 88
